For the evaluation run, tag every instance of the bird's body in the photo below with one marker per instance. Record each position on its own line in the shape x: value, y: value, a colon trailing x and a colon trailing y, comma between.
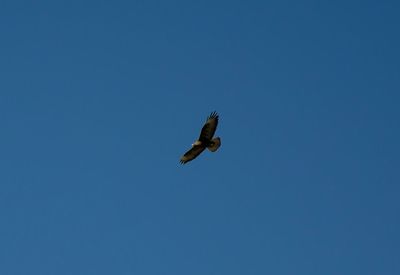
x: 205, y: 140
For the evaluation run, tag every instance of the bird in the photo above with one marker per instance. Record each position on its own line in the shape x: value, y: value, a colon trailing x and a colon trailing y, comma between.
x: 205, y: 140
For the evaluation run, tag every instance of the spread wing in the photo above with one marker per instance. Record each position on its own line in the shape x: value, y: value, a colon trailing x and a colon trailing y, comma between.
x: 208, y: 130
x: 192, y: 153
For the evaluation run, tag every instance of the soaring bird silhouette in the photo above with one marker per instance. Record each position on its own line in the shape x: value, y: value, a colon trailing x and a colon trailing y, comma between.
x: 205, y: 140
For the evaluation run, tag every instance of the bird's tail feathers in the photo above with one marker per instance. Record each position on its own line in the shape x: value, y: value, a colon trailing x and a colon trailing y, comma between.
x: 216, y: 143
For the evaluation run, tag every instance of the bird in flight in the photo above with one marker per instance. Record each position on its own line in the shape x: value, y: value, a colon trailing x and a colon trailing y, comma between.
x: 205, y: 140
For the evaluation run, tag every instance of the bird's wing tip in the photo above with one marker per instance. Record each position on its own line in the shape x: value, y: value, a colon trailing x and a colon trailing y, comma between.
x: 213, y: 114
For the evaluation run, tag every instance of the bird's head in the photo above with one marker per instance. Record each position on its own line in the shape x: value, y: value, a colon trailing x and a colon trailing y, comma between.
x: 197, y: 142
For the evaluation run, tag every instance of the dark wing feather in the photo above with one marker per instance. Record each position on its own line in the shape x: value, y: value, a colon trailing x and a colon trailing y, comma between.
x: 192, y: 153
x: 208, y: 130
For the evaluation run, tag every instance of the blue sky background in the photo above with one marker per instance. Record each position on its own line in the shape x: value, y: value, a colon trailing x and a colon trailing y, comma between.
x: 99, y: 99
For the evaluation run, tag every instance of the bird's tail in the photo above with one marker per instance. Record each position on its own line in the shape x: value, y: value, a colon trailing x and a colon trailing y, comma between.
x: 215, y: 144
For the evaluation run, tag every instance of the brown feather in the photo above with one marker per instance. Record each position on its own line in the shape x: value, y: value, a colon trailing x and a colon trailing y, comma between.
x: 209, y: 128
x: 192, y: 153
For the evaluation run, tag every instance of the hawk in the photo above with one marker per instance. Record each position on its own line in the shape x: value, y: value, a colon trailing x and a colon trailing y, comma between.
x: 205, y: 140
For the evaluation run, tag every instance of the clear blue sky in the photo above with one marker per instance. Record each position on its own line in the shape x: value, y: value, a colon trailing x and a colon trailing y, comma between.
x: 99, y: 99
